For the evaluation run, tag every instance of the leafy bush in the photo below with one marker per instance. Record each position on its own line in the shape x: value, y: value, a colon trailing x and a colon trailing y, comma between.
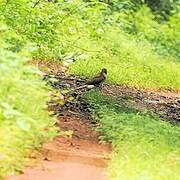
x: 54, y: 27
x: 162, y: 7
x: 61, y: 28
x: 145, y: 147
x: 162, y: 36
x: 144, y: 25
x: 24, y: 123
x: 137, y: 50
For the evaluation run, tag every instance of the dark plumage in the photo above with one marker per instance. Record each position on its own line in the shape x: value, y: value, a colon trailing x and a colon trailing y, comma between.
x: 97, y: 80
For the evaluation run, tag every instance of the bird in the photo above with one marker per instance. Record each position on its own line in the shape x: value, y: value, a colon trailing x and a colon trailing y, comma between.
x: 94, y: 82
x: 99, y: 79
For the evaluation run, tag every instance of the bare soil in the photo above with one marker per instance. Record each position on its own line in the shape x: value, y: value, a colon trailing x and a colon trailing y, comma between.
x: 165, y: 104
x: 81, y: 157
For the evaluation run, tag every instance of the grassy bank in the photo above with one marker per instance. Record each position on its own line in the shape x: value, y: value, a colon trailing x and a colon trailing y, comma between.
x: 145, y: 147
x: 130, y: 62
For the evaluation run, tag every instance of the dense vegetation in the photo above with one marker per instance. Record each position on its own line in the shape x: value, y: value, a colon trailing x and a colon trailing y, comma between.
x: 138, y: 42
x: 146, y: 147
x: 24, y: 123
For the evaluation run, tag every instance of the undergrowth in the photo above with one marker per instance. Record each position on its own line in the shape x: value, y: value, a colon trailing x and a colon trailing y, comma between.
x: 130, y: 62
x: 24, y: 123
x: 137, y: 46
x: 145, y: 147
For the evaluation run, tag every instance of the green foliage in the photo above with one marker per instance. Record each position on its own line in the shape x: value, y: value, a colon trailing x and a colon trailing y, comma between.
x: 162, y: 7
x: 24, y: 122
x: 137, y: 49
x: 145, y: 147
x: 129, y: 61
x: 137, y: 46
x: 54, y: 27
x: 62, y: 28
x: 164, y: 37
x: 143, y: 24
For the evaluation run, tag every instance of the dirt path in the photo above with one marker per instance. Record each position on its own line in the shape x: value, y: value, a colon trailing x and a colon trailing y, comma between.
x: 165, y: 104
x: 82, y: 157
x: 78, y: 158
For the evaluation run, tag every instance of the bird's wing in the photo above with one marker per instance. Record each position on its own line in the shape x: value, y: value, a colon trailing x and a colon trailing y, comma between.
x: 96, y: 80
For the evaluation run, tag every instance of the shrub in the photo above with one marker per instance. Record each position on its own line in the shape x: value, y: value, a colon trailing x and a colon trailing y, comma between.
x: 24, y: 122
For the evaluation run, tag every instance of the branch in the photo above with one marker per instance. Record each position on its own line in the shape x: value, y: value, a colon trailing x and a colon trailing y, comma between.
x: 36, y: 3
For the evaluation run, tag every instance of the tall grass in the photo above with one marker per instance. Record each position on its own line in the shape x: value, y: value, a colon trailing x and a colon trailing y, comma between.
x: 145, y: 147
x: 130, y: 62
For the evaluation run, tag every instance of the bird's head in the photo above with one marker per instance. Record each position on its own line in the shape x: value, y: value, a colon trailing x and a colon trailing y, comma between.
x: 104, y: 72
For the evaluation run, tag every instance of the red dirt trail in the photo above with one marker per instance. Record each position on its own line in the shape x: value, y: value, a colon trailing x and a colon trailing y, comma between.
x: 78, y: 158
